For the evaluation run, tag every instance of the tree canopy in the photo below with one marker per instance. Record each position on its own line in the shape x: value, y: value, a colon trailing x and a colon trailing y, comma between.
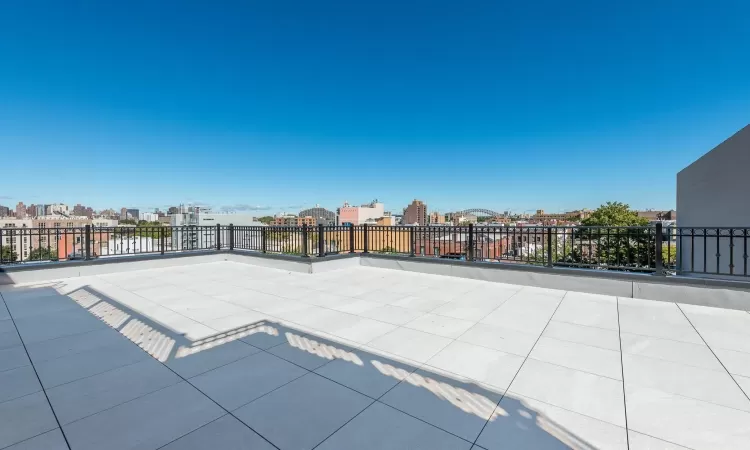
x: 614, y: 214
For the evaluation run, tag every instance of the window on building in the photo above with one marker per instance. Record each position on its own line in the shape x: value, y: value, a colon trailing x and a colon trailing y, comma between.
x: 42, y: 225
x: 43, y: 239
x: 70, y: 224
x: 57, y: 224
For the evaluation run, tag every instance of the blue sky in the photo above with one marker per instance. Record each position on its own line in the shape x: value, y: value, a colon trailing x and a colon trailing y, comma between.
x: 282, y: 104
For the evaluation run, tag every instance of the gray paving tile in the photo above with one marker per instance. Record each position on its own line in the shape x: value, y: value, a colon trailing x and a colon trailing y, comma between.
x: 73, y: 367
x: 580, y: 334
x: 523, y: 423
x: 312, y: 407
x: 686, y: 421
x: 310, y: 357
x: 68, y: 345
x: 702, y: 384
x: 640, y: 441
x: 24, y: 418
x: 6, y: 324
x: 51, y: 440
x: 13, y: 357
x: 4, y: 314
x: 18, y: 382
x: 580, y: 392
x: 226, y: 433
x: 485, y: 365
x: 368, y: 373
x: 243, y: 381
x: 81, y: 398
x: 264, y: 336
x: 9, y: 339
x: 382, y: 427
x: 148, y: 422
x: 412, y: 344
x: 459, y: 408
x: 40, y: 305
x: 590, y: 359
x: 55, y: 325
x: 192, y: 361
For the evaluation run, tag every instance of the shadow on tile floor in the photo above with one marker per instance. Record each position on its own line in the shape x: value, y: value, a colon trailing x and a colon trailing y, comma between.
x: 357, y: 399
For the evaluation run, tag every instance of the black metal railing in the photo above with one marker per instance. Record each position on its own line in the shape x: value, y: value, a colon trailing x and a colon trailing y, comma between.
x: 655, y: 249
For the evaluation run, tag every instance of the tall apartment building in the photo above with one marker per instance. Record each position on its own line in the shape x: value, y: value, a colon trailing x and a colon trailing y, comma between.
x: 415, y: 213
x: 20, y: 210
x: 4, y: 211
x: 358, y: 215
x: 437, y: 218
x: 40, y: 210
x: 148, y: 217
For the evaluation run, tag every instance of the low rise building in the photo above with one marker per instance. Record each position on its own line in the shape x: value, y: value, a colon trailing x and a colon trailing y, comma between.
x: 358, y: 215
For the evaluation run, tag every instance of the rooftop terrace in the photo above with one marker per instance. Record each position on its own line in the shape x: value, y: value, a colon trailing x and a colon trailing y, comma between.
x: 230, y: 355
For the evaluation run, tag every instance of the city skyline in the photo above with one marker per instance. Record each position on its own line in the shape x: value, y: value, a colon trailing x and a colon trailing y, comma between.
x: 534, y: 106
x: 294, y: 209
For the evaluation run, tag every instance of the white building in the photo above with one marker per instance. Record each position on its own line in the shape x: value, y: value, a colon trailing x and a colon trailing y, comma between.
x: 713, y: 192
x: 101, y: 222
x: 130, y: 245
x: 57, y: 208
x: 358, y: 215
x: 196, y: 233
x: 14, y: 235
x: 148, y: 217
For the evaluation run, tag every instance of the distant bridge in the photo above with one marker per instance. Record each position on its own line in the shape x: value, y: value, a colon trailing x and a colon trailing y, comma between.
x: 476, y: 211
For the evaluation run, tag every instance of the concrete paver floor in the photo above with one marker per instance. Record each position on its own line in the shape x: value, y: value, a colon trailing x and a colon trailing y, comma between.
x: 233, y: 356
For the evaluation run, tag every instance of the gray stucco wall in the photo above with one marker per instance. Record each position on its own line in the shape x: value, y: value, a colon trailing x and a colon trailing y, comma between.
x: 714, y: 191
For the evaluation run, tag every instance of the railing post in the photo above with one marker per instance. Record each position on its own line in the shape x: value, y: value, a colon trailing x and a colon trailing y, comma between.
x: 87, y: 242
x: 321, y: 241
x: 364, y: 233
x: 549, y: 247
x: 231, y: 237
x: 218, y: 236
x: 412, y: 241
x: 304, y: 240
x: 470, y: 250
x: 161, y: 239
x: 263, y: 239
x: 658, y: 256
x: 351, y: 238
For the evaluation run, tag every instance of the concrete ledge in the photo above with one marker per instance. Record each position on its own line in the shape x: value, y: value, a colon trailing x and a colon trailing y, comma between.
x: 729, y: 294
x: 29, y: 273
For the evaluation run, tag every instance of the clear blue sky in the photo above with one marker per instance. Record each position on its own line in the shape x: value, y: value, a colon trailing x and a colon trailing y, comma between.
x: 506, y: 105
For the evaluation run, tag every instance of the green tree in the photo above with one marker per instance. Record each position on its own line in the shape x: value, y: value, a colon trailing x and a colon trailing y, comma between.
x: 266, y: 219
x: 614, y: 214
x: 43, y: 254
x: 8, y: 255
x: 614, y: 235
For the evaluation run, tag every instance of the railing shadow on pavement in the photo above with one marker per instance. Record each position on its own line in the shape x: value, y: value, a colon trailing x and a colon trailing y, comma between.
x: 455, y: 404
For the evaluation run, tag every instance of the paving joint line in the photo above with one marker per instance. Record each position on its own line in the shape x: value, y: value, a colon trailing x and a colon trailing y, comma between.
x: 520, y: 367
x: 715, y: 356
x: 54, y: 414
x: 622, y: 371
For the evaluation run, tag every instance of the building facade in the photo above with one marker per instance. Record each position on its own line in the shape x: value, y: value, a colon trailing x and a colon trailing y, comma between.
x: 570, y: 216
x: 416, y: 213
x: 358, y: 215
x: 436, y: 218
x: 321, y: 215
x: 712, y: 192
